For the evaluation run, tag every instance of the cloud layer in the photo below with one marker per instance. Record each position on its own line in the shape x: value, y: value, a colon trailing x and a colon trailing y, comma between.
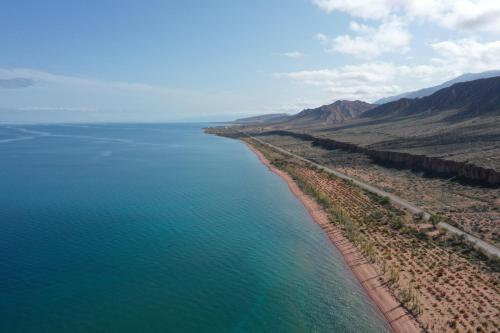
x: 389, y: 37
x: 383, y: 27
x: 372, y: 80
x: 16, y: 83
x: 467, y: 55
x: 467, y: 15
x: 366, y: 81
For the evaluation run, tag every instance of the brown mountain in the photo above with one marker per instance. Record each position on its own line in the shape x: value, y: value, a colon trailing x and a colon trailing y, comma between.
x: 431, y: 90
x: 455, y: 131
x: 336, y: 112
x: 472, y: 98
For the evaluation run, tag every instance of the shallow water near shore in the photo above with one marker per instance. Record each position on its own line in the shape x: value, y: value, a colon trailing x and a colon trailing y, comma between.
x: 161, y: 228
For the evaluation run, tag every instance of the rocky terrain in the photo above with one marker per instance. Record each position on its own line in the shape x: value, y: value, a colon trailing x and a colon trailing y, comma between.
x: 454, y: 132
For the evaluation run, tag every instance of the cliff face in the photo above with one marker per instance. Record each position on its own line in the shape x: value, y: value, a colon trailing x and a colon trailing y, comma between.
x: 415, y: 162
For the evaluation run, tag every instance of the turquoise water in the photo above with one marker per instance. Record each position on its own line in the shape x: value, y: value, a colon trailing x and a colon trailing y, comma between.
x: 160, y: 228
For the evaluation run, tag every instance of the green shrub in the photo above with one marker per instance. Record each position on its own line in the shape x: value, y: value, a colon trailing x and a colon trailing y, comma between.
x: 435, y: 219
x: 395, y: 222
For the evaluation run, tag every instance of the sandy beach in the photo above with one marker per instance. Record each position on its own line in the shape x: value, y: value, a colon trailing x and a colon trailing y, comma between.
x: 398, y: 318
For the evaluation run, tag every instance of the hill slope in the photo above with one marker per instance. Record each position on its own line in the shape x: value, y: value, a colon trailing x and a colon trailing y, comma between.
x: 336, y: 112
x: 472, y: 98
x: 429, y: 91
x: 460, y: 123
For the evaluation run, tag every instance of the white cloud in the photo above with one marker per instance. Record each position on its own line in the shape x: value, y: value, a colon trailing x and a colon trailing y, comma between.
x: 372, y: 80
x: 390, y: 37
x: 424, y: 73
x: 294, y: 54
x: 349, y: 74
x: 467, y: 55
x: 368, y: 9
x: 359, y: 28
x: 366, y: 81
x: 467, y: 15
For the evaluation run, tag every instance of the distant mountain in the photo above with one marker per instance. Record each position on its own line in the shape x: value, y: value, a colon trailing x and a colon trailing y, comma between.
x: 473, y: 98
x: 336, y: 112
x: 429, y: 91
x: 265, y: 118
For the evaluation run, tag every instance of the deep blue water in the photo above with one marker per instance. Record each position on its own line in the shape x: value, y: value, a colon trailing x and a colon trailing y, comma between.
x: 160, y: 228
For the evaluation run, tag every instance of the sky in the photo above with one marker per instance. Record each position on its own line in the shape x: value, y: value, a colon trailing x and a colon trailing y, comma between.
x: 161, y: 60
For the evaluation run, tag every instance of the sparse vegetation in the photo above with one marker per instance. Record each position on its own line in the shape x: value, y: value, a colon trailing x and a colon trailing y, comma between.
x: 438, y: 277
x: 473, y: 209
x: 435, y: 219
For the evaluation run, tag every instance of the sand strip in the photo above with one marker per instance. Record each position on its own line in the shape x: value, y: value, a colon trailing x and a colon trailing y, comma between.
x: 398, y: 318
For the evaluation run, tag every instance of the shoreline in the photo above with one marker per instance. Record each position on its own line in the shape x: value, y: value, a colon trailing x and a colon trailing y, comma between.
x: 398, y: 319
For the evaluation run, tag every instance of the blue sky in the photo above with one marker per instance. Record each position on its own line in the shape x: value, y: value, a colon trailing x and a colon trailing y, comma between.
x: 189, y: 60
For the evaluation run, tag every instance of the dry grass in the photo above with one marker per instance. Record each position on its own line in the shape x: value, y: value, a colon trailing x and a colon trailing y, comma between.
x: 473, y: 209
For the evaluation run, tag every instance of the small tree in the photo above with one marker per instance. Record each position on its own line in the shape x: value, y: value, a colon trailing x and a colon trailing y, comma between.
x: 435, y: 219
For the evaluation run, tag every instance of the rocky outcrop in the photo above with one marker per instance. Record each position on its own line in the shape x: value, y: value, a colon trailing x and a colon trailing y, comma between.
x: 437, y: 165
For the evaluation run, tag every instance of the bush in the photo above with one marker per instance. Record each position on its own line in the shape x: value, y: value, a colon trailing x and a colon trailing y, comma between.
x: 376, y: 215
x: 422, y: 235
x: 407, y: 231
x: 384, y: 201
x: 419, y: 217
x: 395, y: 222
x: 435, y: 219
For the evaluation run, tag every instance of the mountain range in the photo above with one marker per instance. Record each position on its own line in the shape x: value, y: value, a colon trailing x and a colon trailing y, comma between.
x: 454, y: 130
x: 465, y: 93
x: 430, y: 90
x: 473, y: 98
x: 336, y: 112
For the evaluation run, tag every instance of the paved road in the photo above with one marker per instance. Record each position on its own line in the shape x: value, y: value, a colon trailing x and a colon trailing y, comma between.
x: 397, y: 201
